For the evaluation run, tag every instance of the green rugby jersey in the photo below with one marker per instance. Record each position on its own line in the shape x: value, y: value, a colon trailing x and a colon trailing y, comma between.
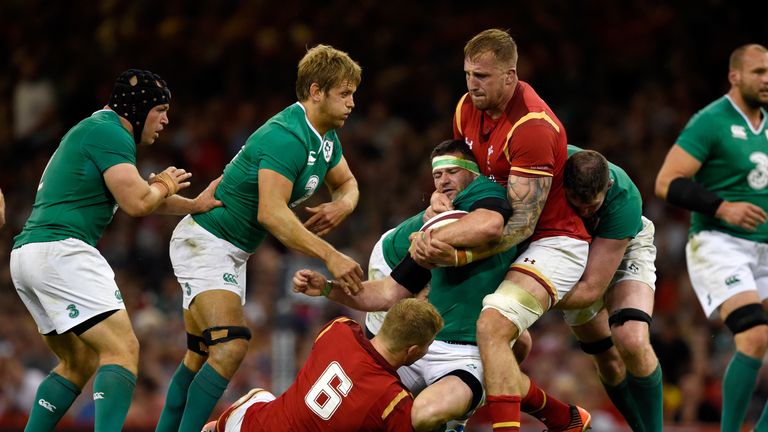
x: 72, y: 199
x: 457, y: 292
x: 734, y: 158
x: 620, y: 216
x: 288, y: 144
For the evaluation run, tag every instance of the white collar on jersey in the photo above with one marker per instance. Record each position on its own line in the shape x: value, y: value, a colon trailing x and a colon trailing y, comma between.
x: 319, y: 137
x: 746, y: 120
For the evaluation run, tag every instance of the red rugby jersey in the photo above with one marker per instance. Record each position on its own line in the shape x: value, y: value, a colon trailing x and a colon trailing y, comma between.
x: 345, y: 385
x: 528, y: 140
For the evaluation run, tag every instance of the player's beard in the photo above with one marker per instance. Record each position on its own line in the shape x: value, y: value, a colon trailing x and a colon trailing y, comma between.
x: 752, y: 98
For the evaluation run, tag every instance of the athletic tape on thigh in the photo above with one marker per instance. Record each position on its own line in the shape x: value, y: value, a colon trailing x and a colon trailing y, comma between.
x: 197, y: 344
x: 472, y: 382
x: 746, y: 317
x: 516, y: 304
x: 628, y: 314
x: 217, y: 335
x: 597, y: 347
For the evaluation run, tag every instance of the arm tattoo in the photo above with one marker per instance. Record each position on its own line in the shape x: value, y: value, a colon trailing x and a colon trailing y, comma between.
x: 527, y: 196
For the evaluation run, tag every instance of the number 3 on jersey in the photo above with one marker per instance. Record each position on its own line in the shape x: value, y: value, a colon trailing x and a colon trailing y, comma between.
x: 327, y: 392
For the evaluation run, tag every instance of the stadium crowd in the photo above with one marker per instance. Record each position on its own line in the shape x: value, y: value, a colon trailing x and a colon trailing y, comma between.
x: 623, y: 78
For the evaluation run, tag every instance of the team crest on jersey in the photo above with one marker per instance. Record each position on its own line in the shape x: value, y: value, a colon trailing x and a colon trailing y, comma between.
x: 327, y: 150
x: 738, y: 132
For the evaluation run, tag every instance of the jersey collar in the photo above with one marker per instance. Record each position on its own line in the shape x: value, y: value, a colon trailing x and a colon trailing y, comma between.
x: 746, y: 120
x: 312, y: 128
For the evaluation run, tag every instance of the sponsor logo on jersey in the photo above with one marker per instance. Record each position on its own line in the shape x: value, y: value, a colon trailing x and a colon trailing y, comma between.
x: 98, y: 395
x: 311, y: 158
x: 310, y: 187
x: 469, y: 143
x: 327, y: 150
x: 229, y: 279
x: 47, y: 405
x: 758, y: 177
x: 738, y: 132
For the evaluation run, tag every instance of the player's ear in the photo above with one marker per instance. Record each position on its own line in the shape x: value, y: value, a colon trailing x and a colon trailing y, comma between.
x: 315, y: 92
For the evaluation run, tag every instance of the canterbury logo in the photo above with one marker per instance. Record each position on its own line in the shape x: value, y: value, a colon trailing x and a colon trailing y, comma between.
x: 230, y: 278
x: 98, y: 395
x: 47, y: 405
x: 732, y: 280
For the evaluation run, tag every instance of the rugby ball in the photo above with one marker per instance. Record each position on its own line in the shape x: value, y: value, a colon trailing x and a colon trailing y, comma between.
x: 443, y: 218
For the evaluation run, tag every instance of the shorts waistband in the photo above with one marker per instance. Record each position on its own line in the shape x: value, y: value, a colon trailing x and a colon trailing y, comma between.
x: 455, y: 342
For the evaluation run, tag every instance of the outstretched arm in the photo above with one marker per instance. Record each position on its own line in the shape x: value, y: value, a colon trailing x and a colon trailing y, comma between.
x: 281, y: 222
x: 377, y: 295
x: 179, y: 205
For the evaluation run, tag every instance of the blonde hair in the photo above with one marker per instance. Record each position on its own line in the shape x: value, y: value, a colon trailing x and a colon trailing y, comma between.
x: 326, y: 66
x: 495, y: 41
x: 410, y: 322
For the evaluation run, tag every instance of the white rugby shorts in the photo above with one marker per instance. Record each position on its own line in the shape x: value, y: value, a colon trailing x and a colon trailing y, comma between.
x: 203, y: 262
x: 441, y: 359
x: 557, y: 263
x: 721, y: 266
x: 63, y: 283
x: 638, y: 265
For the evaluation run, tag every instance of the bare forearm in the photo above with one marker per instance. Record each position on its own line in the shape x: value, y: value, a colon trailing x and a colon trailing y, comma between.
x: 527, y: 196
x: 377, y: 295
x: 178, y: 206
x: 478, y: 228
x: 347, y: 193
x: 288, y: 230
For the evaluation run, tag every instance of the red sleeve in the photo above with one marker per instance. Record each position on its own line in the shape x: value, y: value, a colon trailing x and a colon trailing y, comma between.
x: 393, y: 410
x: 531, y: 150
x: 458, y: 118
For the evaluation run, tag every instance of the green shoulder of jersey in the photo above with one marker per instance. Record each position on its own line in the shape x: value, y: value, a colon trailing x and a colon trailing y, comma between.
x: 734, y: 162
x: 287, y: 144
x: 72, y: 199
x: 620, y: 216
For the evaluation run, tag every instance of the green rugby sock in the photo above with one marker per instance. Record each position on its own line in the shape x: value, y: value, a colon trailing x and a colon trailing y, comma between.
x: 112, y: 393
x: 738, y: 385
x: 175, y: 400
x: 648, y: 394
x: 54, y: 396
x: 622, y: 399
x: 204, y: 391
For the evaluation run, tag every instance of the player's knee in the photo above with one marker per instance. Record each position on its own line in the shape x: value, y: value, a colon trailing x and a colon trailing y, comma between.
x: 124, y: 353
x: 227, y: 346
x: 508, y: 312
x: 748, y: 325
x: 610, y: 366
x: 426, y: 415
x: 492, y: 326
x: 78, y: 369
x: 631, y: 339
